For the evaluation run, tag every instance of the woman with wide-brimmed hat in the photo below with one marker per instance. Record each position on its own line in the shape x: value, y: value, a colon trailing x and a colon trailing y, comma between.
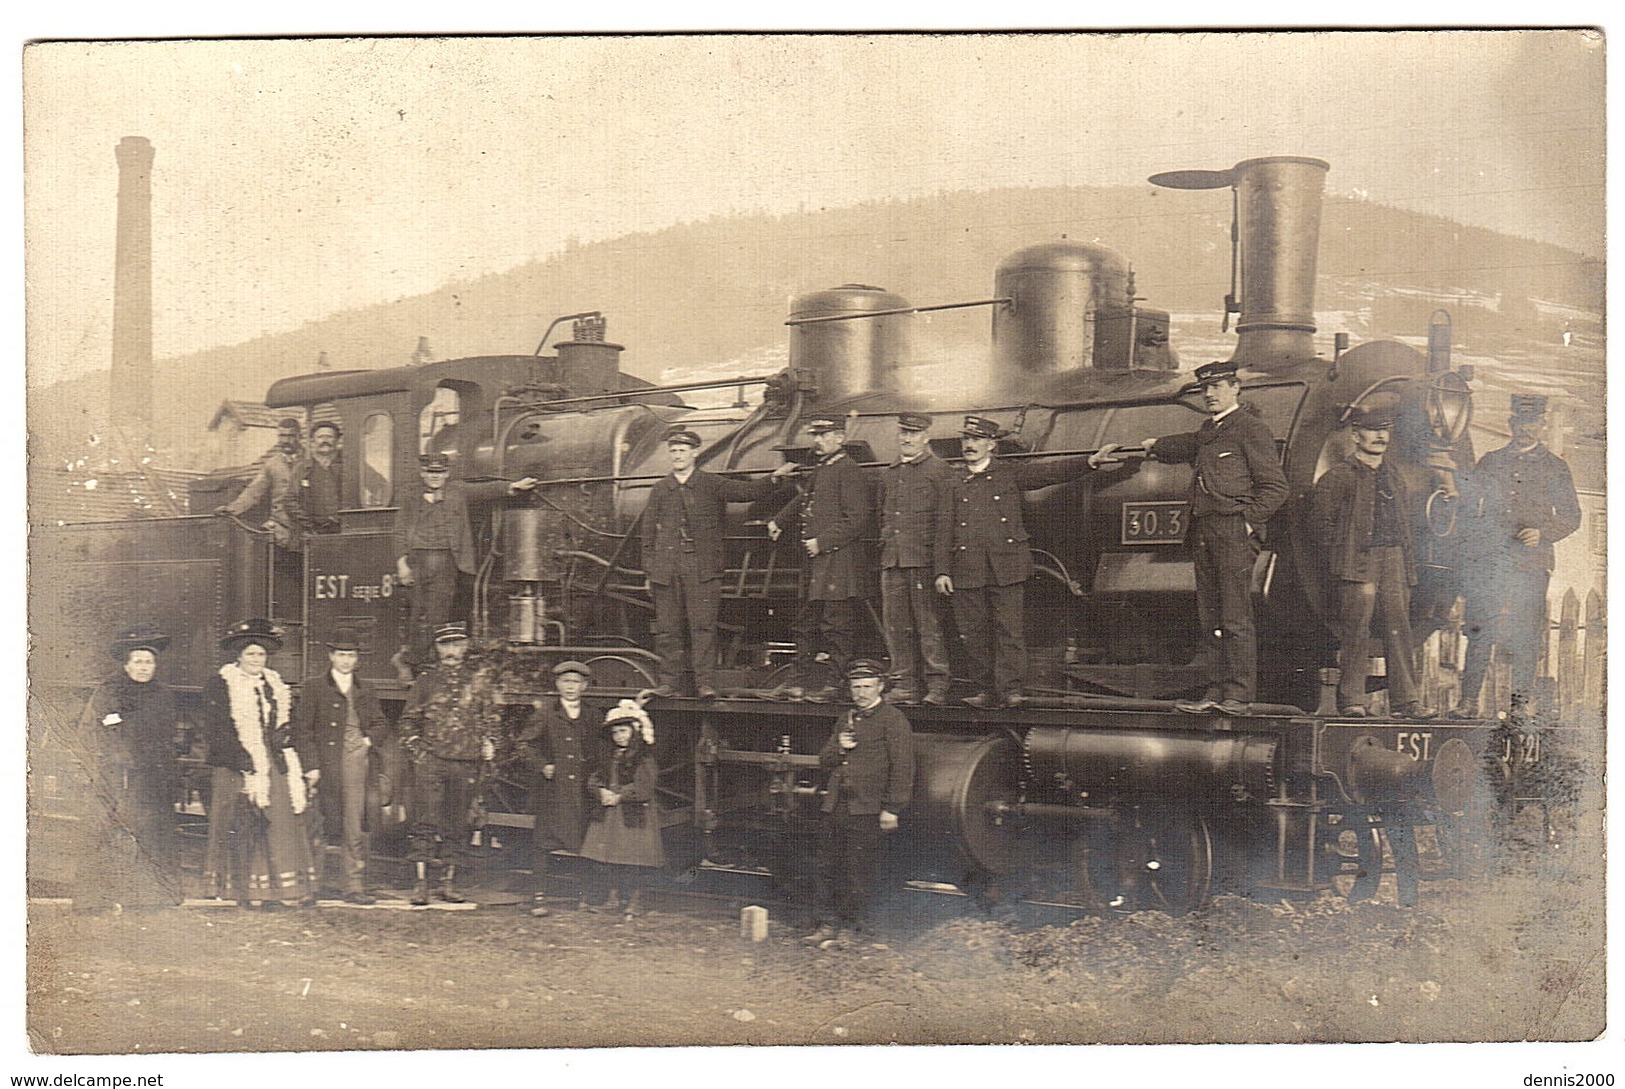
x: 258, y: 847
x: 126, y: 742
x: 623, y: 832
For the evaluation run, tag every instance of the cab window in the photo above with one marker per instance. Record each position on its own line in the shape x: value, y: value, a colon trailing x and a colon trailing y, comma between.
x: 377, y: 460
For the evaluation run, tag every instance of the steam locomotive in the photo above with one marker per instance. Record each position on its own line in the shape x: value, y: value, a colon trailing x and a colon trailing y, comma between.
x: 1095, y: 782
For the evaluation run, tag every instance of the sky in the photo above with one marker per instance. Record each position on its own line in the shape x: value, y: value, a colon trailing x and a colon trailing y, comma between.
x: 294, y: 178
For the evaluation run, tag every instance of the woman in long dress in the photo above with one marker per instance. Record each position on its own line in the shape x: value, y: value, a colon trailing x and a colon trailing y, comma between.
x: 126, y: 743
x: 623, y: 834
x: 258, y: 846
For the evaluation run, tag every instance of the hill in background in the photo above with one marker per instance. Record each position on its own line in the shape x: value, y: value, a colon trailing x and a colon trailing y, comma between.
x: 697, y: 296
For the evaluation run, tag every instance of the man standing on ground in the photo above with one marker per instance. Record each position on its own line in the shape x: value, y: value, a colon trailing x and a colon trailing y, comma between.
x: 870, y: 757
x: 1517, y: 503
x: 683, y: 529
x: 1237, y: 486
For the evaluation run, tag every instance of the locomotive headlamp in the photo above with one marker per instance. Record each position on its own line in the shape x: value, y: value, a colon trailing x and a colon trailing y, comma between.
x: 1450, y: 406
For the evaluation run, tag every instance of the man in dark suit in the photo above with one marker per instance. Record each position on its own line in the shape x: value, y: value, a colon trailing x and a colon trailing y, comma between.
x: 834, y: 510
x: 870, y: 758
x: 334, y: 724
x: 1238, y: 484
x: 1516, y: 503
x: 316, y: 492
x: 433, y: 542
x: 1362, y: 519
x: 916, y: 516
x: 683, y: 528
x: 988, y: 560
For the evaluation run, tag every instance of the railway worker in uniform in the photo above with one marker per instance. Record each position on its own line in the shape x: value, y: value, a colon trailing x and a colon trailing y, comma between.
x: 1237, y: 486
x: 554, y: 748
x: 916, y: 512
x: 259, y: 847
x: 623, y: 830
x: 334, y: 726
x: 988, y: 560
x: 272, y: 484
x: 834, y: 517
x: 125, y: 744
x: 315, y: 497
x: 1517, y: 502
x: 448, y: 729
x: 870, y: 758
x: 1362, y: 520
x: 433, y: 542
x: 683, y: 527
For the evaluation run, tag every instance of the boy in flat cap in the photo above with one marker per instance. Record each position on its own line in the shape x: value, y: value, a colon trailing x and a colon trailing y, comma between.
x: 683, y: 527
x: 1237, y: 486
x: 870, y: 758
x: 833, y: 506
x: 554, y: 747
x: 433, y: 542
x: 1362, y: 519
x: 1516, y: 503
x: 916, y: 516
x: 334, y: 724
x: 988, y: 560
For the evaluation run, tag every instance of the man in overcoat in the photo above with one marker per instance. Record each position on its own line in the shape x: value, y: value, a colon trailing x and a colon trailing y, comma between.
x: 834, y: 511
x: 683, y: 528
x: 556, y: 746
x: 335, y: 722
x: 448, y: 728
x: 1362, y: 520
x: 916, y: 515
x: 1517, y: 503
x: 870, y: 758
x: 1237, y: 486
x: 988, y: 559
x: 433, y: 542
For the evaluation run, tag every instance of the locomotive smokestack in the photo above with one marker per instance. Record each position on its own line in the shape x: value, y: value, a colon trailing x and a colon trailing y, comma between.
x: 1277, y: 242
x: 131, y: 379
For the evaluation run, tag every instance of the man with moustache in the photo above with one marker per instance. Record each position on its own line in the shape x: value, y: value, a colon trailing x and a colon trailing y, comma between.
x: 334, y: 724
x: 1362, y: 519
x: 1238, y: 484
x: 916, y: 511
x: 683, y: 528
x: 314, y: 498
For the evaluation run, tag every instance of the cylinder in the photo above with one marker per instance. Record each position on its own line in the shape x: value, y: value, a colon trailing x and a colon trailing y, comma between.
x: 955, y: 780
x: 524, y: 544
x: 1118, y: 762
x: 525, y: 615
x: 1055, y: 290
x: 1278, y: 203
x: 589, y: 367
x: 850, y: 356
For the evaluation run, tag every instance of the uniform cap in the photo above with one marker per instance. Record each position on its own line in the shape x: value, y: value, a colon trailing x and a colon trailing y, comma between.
x: 572, y: 667
x: 818, y: 425
x: 1528, y: 406
x: 288, y: 423
x: 450, y: 633
x: 1371, y: 417
x: 682, y: 435
x: 139, y: 637
x: 343, y: 639
x: 864, y: 669
x: 980, y: 427
x: 435, y: 462
x: 1213, y: 372
x: 329, y: 425
x: 913, y: 421
x: 245, y: 632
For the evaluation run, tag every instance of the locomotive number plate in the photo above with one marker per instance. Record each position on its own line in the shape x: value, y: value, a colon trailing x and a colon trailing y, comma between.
x: 1155, y: 523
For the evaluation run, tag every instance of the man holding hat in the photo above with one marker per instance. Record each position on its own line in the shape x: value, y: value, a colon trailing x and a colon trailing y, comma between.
x: 1362, y: 519
x: 1516, y: 504
x: 834, y: 517
x: 870, y: 758
x: 683, y: 528
x: 553, y: 746
x: 987, y: 561
x: 448, y: 726
x: 433, y: 542
x: 916, y: 522
x: 274, y: 481
x: 335, y: 722
x: 1237, y: 486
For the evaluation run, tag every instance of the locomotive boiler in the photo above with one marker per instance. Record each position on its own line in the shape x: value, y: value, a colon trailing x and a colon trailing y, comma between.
x: 1096, y: 778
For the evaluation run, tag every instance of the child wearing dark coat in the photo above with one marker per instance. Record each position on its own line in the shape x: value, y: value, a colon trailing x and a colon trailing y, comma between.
x: 623, y: 832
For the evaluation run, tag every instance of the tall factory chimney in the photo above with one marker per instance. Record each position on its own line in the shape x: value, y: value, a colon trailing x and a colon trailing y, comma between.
x: 131, y: 380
